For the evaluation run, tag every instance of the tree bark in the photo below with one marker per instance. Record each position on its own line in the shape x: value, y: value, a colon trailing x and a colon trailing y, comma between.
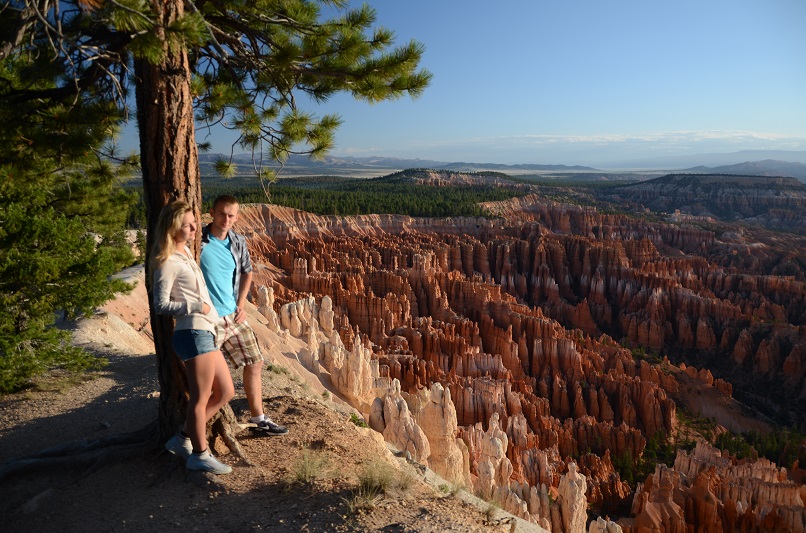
x: 170, y: 167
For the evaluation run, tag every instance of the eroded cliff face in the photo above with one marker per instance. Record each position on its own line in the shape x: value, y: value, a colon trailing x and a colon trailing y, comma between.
x: 772, y: 201
x: 485, y: 348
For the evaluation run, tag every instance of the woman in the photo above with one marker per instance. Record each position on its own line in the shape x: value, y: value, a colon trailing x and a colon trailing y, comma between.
x: 179, y: 289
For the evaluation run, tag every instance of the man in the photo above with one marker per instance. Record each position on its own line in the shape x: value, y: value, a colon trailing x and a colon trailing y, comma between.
x: 227, y: 269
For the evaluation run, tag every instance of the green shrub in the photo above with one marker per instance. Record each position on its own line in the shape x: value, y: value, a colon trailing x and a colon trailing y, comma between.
x: 357, y: 421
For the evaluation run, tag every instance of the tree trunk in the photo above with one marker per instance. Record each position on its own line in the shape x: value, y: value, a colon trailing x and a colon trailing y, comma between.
x: 170, y: 166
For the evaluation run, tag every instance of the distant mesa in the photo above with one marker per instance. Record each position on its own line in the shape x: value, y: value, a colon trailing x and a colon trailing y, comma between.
x: 767, y: 167
x: 442, y: 177
x: 770, y: 201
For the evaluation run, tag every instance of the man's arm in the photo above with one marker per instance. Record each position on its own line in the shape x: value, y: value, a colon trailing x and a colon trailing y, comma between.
x: 243, y: 292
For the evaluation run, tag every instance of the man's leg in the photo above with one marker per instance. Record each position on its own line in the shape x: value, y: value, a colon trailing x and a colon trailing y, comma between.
x: 242, y: 348
x: 253, y: 387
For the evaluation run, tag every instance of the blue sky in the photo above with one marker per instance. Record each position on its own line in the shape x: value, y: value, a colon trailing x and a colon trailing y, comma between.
x: 587, y: 82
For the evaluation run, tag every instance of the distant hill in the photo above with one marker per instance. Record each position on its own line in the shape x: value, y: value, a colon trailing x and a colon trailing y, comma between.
x: 446, y: 178
x: 471, y: 167
x: 707, y: 160
x: 791, y: 164
x: 767, y: 167
x: 339, y: 166
x: 297, y: 165
x: 770, y: 201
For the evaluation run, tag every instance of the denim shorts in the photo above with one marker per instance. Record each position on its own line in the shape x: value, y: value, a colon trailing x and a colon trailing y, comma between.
x: 188, y: 343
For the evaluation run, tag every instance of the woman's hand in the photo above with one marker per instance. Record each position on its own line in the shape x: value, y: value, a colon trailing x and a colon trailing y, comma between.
x: 205, y: 308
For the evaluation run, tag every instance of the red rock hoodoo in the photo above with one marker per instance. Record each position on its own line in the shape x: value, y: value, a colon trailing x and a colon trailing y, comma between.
x: 534, y: 327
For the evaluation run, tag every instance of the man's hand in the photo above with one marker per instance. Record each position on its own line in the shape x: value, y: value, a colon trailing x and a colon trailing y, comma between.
x: 243, y: 293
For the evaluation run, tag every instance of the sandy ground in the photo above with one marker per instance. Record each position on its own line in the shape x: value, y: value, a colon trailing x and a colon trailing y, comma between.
x: 305, y: 481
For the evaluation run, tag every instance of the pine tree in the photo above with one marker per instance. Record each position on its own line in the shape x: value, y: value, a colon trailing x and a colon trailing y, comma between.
x: 242, y: 64
x: 61, y: 222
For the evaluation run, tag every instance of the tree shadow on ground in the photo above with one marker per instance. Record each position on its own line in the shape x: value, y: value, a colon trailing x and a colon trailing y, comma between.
x: 129, y: 404
x: 155, y: 493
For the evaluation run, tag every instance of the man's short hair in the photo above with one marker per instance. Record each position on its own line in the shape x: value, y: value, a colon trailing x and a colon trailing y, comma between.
x: 224, y: 200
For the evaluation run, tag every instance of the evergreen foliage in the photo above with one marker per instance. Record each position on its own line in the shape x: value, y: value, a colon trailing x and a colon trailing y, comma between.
x: 249, y: 62
x: 326, y: 195
x: 660, y: 449
x: 61, y: 219
x: 781, y: 446
x: 269, y: 48
x: 413, y: 200
x: 374, y: 196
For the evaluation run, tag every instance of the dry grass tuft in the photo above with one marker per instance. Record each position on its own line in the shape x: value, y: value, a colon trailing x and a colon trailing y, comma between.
x: 451, y: 489
x: 493, y: 506
x: 277, y: 369
x: 377, y: 476
x: 60, y: 381
x: 309, y: 466
x: 377, y: 479
x: 362, y: 500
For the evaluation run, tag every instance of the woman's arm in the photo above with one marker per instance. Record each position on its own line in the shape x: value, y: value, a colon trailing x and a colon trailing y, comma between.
x: 164, y: 279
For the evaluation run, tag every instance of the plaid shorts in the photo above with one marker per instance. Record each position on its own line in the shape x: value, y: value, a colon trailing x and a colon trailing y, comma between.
x: 240, y: 343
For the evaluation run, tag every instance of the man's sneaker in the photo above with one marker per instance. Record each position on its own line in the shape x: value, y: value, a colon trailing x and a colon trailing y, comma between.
x: 179, y: 445
x: 206, y: 463
x: 267, y: 427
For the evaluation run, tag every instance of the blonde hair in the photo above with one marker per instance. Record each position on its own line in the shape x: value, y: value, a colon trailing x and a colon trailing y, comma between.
x: 168, y: 224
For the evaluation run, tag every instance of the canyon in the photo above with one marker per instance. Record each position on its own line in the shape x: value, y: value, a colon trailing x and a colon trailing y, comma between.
x: 534, y: 356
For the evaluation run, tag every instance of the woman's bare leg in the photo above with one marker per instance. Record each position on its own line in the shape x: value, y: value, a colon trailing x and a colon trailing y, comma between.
x: 222, y: 389
x: 210, y: 387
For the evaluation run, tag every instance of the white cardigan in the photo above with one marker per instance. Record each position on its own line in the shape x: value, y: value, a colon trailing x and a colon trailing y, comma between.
x: 179, y: 289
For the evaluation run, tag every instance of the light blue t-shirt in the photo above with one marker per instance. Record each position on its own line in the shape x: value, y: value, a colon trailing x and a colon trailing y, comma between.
x: 218, y: 267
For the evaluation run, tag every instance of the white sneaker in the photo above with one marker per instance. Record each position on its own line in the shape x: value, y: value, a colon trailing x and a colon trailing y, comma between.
x: 207, y: 463
x: 179, y: 445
